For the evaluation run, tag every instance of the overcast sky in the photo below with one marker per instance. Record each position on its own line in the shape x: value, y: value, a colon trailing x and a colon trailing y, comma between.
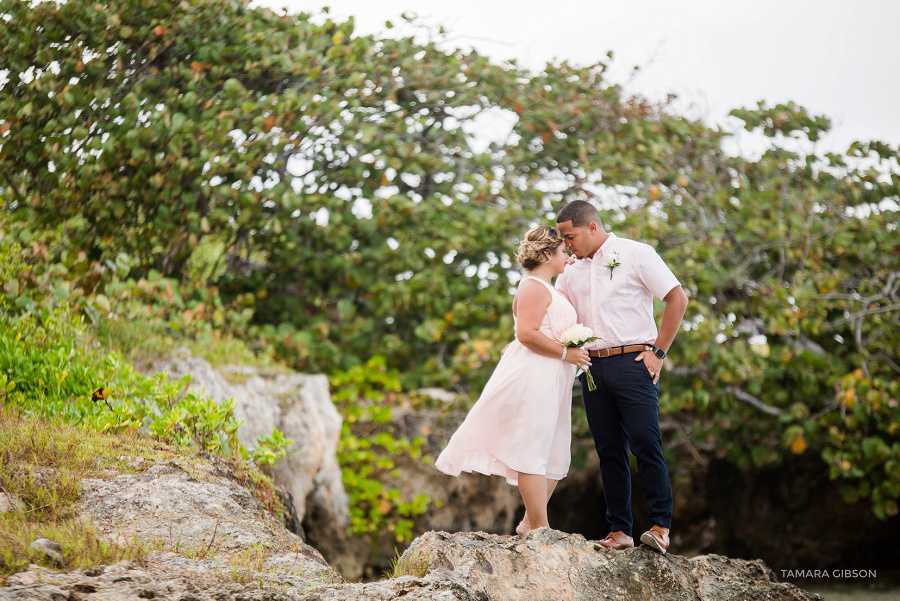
x: 840, y: 58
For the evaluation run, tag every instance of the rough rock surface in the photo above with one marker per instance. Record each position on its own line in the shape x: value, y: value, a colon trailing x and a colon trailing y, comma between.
x: 163, y: 576
x: 193, y: 508
x: 300, y: 407
x: 544, y: 564
x: 548, y: 564
x: 408, y: 588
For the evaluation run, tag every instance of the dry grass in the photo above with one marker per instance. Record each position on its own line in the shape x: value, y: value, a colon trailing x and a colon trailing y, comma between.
x: 247, y: 565
x: 80, y: 544
x: 42, y: 463
x: 250, y: 558
x: 412, y: 563
x: 41, y: 466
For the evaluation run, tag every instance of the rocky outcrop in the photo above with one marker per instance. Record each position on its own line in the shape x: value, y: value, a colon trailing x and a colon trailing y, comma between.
x: 300, y: 407
x: 204, y: 537
x: 161, y: 577
x: 193, y: 507
x: 548, y: 564
x: 166, y: 512
x: 544, y: 564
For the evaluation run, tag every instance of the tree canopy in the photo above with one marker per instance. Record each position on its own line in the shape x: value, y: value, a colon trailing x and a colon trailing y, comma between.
x: 331, y: 196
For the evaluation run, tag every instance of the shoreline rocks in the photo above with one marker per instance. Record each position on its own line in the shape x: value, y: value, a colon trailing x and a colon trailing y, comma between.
x: 467, y: 566
x: 548, y: 564
x: 213, y: 541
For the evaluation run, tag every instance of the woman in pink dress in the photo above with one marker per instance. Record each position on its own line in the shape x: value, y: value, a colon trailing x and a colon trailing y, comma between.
x: 520, y: 428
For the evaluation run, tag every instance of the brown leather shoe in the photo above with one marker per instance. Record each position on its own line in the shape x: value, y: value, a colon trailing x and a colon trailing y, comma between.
x: 657, y: 537
x: 617, y: 541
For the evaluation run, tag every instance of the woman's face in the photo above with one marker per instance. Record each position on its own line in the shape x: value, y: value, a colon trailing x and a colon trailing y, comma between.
x: 558, y: 259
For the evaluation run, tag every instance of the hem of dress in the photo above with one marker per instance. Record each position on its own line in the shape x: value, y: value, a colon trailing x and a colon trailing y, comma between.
x: 489, y: 465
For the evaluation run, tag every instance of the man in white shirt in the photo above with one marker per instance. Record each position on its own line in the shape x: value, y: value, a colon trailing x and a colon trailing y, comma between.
x: 612, y: 284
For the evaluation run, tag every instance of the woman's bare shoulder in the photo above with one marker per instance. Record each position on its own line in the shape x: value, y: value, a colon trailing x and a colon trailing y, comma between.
x: 533, y: 292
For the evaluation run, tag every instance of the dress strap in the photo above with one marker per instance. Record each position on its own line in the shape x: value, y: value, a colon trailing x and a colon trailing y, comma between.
x: 531, y: 277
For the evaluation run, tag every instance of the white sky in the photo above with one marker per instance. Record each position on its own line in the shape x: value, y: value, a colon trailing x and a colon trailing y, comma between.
x: 840, y: 58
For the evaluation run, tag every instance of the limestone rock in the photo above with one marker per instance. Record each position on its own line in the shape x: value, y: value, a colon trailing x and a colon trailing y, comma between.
x: 548, y: 564
x: 408, y: 588
x: 162, y: 576
x: 300, y: 407
x: 544, y: 564
x: 10, y: 503
x: 193, y: 508
x: 51, y: 549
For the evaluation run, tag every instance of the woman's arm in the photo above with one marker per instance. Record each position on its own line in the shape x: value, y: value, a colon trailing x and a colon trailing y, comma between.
x: 531, y: 306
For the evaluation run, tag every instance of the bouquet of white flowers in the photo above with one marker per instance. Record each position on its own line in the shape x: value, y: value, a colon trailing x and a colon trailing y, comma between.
x: 576, y: 337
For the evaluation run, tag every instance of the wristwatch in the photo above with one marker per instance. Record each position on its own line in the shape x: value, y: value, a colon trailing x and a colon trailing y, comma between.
x: 659, y: 352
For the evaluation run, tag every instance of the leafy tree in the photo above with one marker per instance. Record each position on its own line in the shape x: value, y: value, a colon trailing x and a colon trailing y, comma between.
x: 146, y: 127
x: 325, y: 194
x: 792, y: 264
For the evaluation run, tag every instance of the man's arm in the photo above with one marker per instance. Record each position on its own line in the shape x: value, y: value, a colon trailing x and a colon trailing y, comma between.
x: 676, y: 303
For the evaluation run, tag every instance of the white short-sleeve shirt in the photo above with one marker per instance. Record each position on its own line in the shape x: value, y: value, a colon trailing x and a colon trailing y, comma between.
x: 617, y: 304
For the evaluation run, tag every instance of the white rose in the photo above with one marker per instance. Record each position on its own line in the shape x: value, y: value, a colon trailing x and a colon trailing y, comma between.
x: 576, y: 335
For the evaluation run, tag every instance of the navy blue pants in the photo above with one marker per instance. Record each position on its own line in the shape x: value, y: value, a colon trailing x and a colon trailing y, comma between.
x: 623, y: 415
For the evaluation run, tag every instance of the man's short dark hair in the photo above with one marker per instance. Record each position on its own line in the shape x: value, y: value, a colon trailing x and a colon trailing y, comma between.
x: 580, y: 213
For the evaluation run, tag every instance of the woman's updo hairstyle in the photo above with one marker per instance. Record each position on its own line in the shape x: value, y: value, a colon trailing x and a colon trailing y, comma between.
x: 538, y: 242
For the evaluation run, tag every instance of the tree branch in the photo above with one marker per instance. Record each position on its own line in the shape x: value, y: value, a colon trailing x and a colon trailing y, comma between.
x: 19, y: 196
x: 754, y: 402
x: 677, y: 370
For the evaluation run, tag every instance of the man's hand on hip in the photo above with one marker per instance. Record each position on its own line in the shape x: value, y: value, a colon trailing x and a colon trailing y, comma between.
x: 652, y: 363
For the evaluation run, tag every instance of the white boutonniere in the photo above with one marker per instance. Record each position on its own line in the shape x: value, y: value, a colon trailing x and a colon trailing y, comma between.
x: 613, y: 262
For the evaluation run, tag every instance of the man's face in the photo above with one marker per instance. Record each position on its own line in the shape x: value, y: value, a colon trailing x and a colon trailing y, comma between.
x: 579, y: 240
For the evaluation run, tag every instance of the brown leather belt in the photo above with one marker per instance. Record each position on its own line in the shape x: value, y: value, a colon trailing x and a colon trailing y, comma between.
x: 619, y: 350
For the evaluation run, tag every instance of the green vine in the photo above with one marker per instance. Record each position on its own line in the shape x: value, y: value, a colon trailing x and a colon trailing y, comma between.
x: 368, y: 451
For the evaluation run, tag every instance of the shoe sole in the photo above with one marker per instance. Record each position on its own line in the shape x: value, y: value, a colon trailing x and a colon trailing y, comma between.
x: 648, y: 540
x: 611, y: 547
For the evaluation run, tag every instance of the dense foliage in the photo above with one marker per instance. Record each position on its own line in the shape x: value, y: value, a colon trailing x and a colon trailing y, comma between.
x: 325, y: 196
x: 369, y: 450
x: 52, y: 367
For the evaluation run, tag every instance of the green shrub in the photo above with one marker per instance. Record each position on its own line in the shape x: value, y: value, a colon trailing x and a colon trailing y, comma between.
x: 368, y: 451
x: 51, y: 366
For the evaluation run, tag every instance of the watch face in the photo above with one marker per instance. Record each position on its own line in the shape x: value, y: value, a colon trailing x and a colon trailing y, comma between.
x: 659, y: 353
